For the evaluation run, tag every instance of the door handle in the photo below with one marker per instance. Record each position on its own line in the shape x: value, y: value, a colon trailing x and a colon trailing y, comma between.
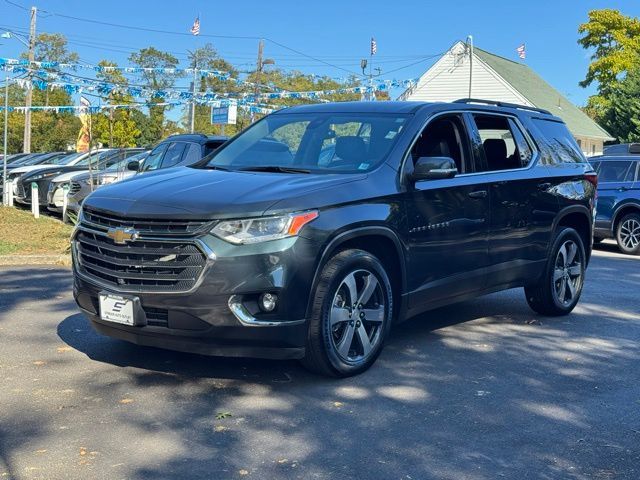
x: 478, y: 194
x: 544, y: 186
x: 623, y: 189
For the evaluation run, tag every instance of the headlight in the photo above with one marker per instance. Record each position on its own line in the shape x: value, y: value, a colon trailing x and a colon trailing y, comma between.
x: 41, y: 176
x: 98, y: 181
x: 255, y: 230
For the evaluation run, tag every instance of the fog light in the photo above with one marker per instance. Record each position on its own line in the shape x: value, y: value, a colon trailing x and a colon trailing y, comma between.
x: 268, y: 302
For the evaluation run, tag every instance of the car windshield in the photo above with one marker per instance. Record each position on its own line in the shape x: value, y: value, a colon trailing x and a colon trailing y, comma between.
x: 94, y: 158
x: 122, y: 164
x: 318, y: 142
x: 37, y: 159
x: 65, y: 159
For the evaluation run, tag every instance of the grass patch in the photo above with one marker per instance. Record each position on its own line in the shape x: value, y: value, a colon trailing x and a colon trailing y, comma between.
x: 21, y: 234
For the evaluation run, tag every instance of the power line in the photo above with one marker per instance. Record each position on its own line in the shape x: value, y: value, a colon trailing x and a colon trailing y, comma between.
x: 169, y: 32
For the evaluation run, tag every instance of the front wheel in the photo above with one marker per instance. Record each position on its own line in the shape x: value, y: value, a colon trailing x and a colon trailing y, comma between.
x: 559, y: 289
x: 628, y: 234
x: 351, y: 315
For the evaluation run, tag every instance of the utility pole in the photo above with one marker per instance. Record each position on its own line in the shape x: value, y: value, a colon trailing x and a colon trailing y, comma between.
x: 259, y: 67
x: 470, y: 47
x: 29, y: 96
x: 193, y: 92
x: 5, y: 193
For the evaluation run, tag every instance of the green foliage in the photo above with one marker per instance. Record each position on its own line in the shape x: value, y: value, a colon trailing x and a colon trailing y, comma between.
x: 615, y: 42
x: 52, y: 47
x: 621, y: 115
x: 151, y: 57
x: 117, y: 127
x: 615, y: 39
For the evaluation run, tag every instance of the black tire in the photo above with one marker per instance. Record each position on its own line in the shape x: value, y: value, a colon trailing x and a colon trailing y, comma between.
x: 547, y: 297
x: 322, y: 350
x: 628, y: 234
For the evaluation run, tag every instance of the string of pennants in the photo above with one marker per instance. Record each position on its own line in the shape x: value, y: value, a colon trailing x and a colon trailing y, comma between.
x: 73, y: 84
x: 83, y: 109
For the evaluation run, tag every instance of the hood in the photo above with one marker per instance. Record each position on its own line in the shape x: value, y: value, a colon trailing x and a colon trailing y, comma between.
x: 205, y: 194
x: 84, y: 175
x: 49, y: 169
x: 65, y: 177
x: 30, y: 168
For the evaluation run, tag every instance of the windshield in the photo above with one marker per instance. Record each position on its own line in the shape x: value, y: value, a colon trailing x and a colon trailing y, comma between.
x: 318, y: 142
x: 65, y: 159
x: 122, y: 164
x: 94, y: 158
x: 36, y: 159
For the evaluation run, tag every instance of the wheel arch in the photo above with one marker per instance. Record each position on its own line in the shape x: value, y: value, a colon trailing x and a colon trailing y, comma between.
x: 630, y: 206
x: 580, y: 219
x: 380, y: 241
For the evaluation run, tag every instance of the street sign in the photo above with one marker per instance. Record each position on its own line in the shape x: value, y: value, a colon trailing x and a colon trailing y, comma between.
x: 224, y: 115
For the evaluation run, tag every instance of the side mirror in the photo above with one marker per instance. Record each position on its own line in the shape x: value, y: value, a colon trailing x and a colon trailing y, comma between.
x: 133, y: 165
x: 432, y: 168
x: 634, y: 148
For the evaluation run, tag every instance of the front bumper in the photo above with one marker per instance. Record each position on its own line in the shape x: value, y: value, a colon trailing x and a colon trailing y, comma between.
x: 220, y: 316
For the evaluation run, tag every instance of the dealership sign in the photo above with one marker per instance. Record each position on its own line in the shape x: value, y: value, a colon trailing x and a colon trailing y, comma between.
x: 224, y: 115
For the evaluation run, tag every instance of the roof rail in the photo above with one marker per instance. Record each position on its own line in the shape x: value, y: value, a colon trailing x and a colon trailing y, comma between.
x: 503, y: 104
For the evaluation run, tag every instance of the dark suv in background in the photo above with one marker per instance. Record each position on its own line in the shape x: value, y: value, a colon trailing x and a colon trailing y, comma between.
x: 309, y: 234
x: 618, y: 215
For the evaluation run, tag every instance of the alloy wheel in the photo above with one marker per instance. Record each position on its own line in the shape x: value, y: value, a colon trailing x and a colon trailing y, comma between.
x: 630, y: 233
x: 567, y: 273
x: 357, y: 317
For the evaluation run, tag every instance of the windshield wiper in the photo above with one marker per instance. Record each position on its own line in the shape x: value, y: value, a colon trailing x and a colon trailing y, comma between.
x: 216, y: 167
x: 274, y: 168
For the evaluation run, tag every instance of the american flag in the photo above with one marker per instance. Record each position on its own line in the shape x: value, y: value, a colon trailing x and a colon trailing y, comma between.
x: 522, y: 52
x: 374, y: 46
x: 195, y: 28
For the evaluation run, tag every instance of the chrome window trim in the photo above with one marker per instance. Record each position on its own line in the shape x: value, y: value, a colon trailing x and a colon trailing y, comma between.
x: 532, y: 163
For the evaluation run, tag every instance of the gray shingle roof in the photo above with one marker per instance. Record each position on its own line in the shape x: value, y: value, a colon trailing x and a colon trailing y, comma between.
x: 542, y: 95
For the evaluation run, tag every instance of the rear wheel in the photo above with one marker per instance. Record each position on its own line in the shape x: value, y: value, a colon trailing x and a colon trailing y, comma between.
x: 628, y: 234
x: 559, y: 289
x: 351, y: 315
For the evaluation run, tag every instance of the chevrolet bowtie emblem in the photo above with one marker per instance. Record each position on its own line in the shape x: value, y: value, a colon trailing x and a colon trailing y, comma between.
x: 122, y: 235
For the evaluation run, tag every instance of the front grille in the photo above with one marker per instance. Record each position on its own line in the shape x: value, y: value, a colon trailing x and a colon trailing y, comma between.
x: 74, y: 188
x: 104, y: 221
x: 20, y: 190
x: 141, y: 265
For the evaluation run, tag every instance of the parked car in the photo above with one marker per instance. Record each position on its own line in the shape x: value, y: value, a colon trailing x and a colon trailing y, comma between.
x: 618, y: 215
x: 622, y: 149
x: 31, y: 162
x: 42, y: 177
x: 260, y: 251
x: 79, y: 183
x: 174, y: 151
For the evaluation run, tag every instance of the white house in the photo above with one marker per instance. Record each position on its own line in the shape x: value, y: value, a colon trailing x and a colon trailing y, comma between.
x: 500, y: 79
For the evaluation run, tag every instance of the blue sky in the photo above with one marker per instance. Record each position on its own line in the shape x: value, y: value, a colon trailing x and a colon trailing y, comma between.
x: 337, y: 32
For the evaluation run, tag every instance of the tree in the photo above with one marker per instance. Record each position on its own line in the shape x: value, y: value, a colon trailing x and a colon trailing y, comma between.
x: 622, y: 116
x: 51, y: 130
x: 52, y: 47
x: 116, y: 128
x: 152, y: 58
x: 615, y: 43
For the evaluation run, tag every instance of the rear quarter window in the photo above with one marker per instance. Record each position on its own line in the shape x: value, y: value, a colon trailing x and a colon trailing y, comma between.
x: 561, y: 147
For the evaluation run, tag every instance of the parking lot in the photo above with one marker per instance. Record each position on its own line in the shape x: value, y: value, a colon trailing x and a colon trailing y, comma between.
x: 480, y: 390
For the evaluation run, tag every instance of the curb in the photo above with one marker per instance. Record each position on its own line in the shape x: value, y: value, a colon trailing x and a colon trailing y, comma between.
x: 19, y: 260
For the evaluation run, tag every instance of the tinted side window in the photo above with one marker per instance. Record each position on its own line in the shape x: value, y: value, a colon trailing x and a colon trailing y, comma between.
x: 152, y: 162
x: 617, y: 172
x: 505, y: 146
x: 173, y: 155
x: 564, y: 148
x: 444, y: 136
x: 193, y: 154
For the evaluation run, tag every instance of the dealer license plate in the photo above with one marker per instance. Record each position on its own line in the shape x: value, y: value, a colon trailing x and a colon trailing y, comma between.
x: 114, y: 308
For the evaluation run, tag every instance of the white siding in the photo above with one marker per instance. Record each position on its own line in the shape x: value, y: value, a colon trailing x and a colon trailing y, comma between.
x: 448, y: 80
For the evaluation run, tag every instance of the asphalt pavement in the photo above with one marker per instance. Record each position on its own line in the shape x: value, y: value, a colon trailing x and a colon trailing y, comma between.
x: 485, y: 389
